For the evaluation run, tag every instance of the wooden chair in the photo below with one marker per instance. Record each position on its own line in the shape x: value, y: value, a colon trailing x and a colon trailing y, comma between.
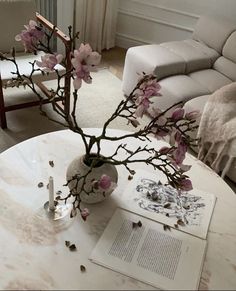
x: 14, y: 15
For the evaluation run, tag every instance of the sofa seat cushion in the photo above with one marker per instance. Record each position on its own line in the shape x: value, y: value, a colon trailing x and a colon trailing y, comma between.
x: 210, y: 79
x: 226, y: 67
x: 195, y: 59
x: 149, y: 59
x: 176, y: 89
x: 213, y: 31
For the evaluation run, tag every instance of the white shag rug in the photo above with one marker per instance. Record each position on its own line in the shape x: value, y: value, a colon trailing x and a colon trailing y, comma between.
x: 97, y: 101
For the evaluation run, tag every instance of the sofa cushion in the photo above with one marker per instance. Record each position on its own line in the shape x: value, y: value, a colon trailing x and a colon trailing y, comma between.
x: 210, y: 79
x: 194, y: 58
x: 212, y: 54
x: 175, y: 89
x: 213, y: 31
x: 226, y: 67
x: 229, y: 49
x: 149, y: 59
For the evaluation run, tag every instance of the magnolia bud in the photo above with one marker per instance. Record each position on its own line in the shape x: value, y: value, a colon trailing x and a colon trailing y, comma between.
x: 186, y: 185
x: 177, y: 114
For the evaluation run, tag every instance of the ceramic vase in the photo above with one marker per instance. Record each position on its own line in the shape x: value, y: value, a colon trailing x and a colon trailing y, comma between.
x: 79, y: 167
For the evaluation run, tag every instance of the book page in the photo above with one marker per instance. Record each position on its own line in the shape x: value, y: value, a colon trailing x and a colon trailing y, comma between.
x: 167, y: 259
x: 191, y: 211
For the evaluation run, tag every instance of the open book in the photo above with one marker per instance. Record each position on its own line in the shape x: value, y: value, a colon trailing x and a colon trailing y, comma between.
x: 191, y: 211
x: 141, y: 249
x: 159, y: 237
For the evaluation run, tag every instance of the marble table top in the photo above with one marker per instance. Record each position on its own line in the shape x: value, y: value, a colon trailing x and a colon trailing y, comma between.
x: 33, y: 254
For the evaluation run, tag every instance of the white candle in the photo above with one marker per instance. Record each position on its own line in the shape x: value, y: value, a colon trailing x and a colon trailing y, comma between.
x: 51, y: 194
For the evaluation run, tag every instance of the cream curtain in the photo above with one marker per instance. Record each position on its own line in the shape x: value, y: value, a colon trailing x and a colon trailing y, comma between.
x: 96, y: 22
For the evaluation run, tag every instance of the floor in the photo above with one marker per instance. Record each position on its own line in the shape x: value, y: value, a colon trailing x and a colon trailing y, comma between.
x: 114, y: 59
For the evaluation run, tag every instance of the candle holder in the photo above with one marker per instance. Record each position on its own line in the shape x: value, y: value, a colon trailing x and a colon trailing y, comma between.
x: 59, y: 211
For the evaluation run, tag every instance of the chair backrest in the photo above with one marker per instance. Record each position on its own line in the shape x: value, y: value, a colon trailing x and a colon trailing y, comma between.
x: 14, y: 15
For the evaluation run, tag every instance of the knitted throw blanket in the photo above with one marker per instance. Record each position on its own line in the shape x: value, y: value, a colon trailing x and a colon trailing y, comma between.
x: 217, y: 129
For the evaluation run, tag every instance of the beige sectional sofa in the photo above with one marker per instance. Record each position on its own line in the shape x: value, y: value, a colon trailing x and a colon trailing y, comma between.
x: 187, y: 70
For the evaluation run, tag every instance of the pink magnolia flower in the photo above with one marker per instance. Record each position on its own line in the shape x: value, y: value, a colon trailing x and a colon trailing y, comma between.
x: 178, y: 136
x: 150, y: 88
x: 186, y: 185
x: 49, y: 61
x: 142, y: 103
x: 179, y: 153
x: 84, y: 61
x: 177, y: 114
x: 84, y: 213
x: 105, y: 182
x: 81, y: 73
x: 32, y: 25
x: 31, y: 36
x: 175, y: 137
x: 84, y: 55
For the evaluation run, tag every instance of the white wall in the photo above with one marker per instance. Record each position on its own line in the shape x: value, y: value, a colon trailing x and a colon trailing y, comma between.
x: 156, y: 21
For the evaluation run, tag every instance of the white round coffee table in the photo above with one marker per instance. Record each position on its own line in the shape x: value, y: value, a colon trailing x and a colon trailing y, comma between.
x: 33, y: 254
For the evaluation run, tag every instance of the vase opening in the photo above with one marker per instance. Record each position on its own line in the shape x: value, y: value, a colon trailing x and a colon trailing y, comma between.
x: 89, y: 159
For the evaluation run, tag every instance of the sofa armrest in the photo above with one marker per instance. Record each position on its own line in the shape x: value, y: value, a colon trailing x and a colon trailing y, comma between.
x: 149, y: 59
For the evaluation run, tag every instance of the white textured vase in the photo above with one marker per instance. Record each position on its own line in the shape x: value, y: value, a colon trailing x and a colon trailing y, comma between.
x: 78, y: 167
